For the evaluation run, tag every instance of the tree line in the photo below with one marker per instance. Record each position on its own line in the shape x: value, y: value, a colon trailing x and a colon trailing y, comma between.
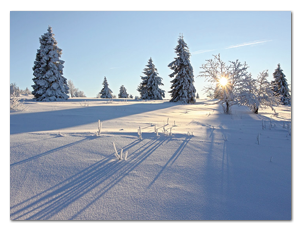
x: 239, y: 88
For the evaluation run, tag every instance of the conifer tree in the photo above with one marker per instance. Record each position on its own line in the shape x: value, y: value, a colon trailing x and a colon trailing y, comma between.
x: 149, y: 87
x: 49, y: 83
x: 106, y: 92
x: 182, y: 88
x: 123, y: 92
x: 27, y: 91
x: 280, y: 86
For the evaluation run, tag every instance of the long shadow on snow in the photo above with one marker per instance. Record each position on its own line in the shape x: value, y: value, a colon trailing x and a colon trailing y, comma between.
x: 101, y: 176
x: 226, y: 165
x: 29, y: 143
x: 57, y: 119
x: 50, y: 151
x: 172, y: 159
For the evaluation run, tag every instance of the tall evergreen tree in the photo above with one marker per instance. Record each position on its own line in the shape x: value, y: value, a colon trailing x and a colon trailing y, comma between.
x: 280, y: 86
x: 106, y: 92
x: 182, y: 88
x: 50, y: 85
x: 123, y: 92
x: 149, y: 87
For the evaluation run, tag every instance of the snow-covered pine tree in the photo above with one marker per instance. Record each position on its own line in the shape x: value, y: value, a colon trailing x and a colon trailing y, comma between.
x: 106, y: 92
x: 182, y: 88
x: 50, y: 85
x: 149, y: 87
x: 123, y: 92
x: 280, y: 86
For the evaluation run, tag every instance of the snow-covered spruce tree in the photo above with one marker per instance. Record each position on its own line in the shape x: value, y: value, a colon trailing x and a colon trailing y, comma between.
x: 106, y: 92
x: 123, y: 92
x: 50, y: 85
x: 280, y: 86
x: 182, y: 88
x: 149, y: 87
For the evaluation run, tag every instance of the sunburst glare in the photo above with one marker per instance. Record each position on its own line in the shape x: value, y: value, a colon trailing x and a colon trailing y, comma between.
x: 223, y: 81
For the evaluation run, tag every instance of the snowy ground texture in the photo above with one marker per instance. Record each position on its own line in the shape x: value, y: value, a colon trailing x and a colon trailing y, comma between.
x: 61, y: 170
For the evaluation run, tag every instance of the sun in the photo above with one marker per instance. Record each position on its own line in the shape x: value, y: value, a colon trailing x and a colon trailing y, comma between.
x: 223, y: 81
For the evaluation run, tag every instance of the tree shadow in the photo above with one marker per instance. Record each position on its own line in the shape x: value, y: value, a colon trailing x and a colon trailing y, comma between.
x: 50, y: 151
x: 173, y: 158
x: 99, y: 177
x: 31, y: 142
x: 58, y: 119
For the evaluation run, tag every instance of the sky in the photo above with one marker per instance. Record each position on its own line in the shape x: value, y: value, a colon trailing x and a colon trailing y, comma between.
x: 118, y: 44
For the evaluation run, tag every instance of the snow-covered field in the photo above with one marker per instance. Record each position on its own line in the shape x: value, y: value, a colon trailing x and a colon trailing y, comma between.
x: 213, y: 166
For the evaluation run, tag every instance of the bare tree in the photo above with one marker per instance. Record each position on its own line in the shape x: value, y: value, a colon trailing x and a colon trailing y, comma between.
x: 72, y: 88
x: 79, y: 94
x: 224, y: 80
x: 14, y: 90
x: 257, y: 93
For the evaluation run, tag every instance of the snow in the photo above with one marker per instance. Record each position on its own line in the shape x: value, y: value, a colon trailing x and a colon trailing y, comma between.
x: 182, y: 88
x: 49, y: 84
x: 280, y: 86
x: 61, y: 170
x: 105, y: 92
x: 149, y: 87
x: 123, y: 92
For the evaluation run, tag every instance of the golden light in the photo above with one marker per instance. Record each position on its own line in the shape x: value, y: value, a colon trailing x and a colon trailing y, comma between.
x: 223, y: 81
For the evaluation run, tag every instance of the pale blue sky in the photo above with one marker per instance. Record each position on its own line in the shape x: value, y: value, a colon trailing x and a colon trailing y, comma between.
x: 118, y: 44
